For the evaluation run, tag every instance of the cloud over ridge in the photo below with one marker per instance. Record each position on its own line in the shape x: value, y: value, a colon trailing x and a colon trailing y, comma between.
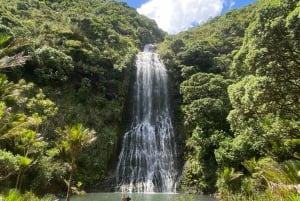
x: 174, y: 16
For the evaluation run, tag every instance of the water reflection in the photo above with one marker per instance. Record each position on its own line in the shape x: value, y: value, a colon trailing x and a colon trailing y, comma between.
x: 141, y: 197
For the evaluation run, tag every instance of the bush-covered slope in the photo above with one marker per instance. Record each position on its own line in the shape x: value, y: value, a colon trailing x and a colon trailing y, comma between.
x: 235, y: 88
x: 198, y: 61
x: 238, y: 78
x: 80, y: 54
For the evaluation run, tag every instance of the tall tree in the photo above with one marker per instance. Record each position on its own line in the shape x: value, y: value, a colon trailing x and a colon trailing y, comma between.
x: 75, y: 138
x: 266, y: 101
x: 205, y: 108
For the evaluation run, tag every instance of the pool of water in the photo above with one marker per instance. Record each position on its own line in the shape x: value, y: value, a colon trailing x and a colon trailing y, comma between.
x: 141, y: 197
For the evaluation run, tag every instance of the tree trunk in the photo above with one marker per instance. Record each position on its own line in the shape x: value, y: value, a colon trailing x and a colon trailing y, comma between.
x: 69, y: 192
x: 18, y: 179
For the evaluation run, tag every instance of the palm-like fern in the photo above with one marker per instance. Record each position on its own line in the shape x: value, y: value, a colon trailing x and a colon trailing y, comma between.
x: 280, y: 178
x: 10, y: 55
x: 75, y: 138
x: 229, y: 180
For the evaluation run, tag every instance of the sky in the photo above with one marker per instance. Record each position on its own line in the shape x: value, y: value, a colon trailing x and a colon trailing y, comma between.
x: 174, y: 16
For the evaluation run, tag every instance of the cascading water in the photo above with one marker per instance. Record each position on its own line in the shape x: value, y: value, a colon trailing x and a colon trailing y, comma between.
x: 147, y: 162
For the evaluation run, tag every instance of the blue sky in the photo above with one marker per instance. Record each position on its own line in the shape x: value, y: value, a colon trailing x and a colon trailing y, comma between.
x: 237, y: 3
x: 135, y: 3
x: 174, y: 16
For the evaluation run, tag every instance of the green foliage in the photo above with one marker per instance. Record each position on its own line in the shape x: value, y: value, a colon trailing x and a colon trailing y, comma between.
x: 9, y: 45
x: 205, y: 108
x: 6, y: 36
x: 85, y: 89
x: 229, y: 180
x: 15, y: 195
x: 49, y: 170
x: 191, y: 57
x: 53, y: 64
x: 41, y: 105
x: 267, y: 173
x: 197, y: 55
x: 74, y: 139
x: 81, y: 54
x: 265, y: 107
x: 234, y: 85
x: 258, y: 48
x: 8, y: 163
x: 264, y: 102
x: 22, y: 146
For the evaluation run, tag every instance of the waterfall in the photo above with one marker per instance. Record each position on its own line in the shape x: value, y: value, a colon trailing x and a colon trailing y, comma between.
x: 147, y: 162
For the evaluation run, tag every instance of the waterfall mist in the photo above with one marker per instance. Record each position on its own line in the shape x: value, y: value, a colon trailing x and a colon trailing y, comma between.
x: 147, y: 162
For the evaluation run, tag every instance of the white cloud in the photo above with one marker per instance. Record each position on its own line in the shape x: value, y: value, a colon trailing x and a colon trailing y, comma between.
x: 231, y: 3
x: 174, y: 16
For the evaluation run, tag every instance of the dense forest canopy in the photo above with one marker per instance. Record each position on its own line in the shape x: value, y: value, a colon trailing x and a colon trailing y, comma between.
x: 64, y: 63
x: 237, y: 79
x: 66, y: 69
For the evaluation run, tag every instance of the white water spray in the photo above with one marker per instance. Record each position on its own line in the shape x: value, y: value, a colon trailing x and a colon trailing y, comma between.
x: 147, y: 162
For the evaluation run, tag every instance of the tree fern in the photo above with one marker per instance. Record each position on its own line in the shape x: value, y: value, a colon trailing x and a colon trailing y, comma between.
x: 290, y: 169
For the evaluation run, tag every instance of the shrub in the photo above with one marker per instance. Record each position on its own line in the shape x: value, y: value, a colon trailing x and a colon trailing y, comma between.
x: 53, y: 65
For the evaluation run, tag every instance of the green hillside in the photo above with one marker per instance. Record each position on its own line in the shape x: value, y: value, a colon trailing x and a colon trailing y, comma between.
x: 65, y: 74
x: 236, y: 85
x: 199, y: 61
x: 78, y: 57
